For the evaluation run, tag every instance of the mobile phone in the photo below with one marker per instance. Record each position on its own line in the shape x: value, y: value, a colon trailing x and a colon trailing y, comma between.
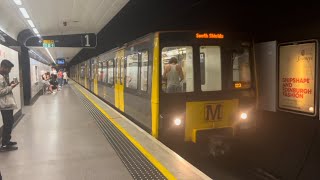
x: 15, y: 80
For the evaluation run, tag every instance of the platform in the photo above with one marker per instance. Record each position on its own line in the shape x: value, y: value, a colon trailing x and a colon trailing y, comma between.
x: 74, y: 135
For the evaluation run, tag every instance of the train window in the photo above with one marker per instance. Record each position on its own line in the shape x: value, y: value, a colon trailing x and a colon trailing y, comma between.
x: 82, y: 71
x: 241, y: 69
x: 110, y: 71
x: 210, y: 68
x: 115, y: 61
x: 121, y: 70
x: 93, y: 70
x: 144, y: 70
x: 88, y: 70
x: 132, y: 71
x: 177, y: 69
x: 100, y: 72
x: 104, y: 71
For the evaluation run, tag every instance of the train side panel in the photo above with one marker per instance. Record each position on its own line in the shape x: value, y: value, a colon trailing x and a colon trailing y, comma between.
x: 138, y: 65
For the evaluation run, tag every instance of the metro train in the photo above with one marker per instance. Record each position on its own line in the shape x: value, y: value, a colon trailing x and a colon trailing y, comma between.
x: 216, y: 96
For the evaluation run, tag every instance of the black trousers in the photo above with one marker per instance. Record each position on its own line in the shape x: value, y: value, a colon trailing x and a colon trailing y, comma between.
x: 7, y: 118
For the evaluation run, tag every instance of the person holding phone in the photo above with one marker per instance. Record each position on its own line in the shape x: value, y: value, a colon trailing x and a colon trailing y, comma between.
x: 7, y: 113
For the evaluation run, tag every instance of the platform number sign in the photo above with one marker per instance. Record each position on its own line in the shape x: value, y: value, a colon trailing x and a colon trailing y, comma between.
x: 88, y: 40
x: 213, y: 112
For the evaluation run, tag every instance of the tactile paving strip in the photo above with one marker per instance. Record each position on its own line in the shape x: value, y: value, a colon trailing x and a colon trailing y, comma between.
x: 136, y: 163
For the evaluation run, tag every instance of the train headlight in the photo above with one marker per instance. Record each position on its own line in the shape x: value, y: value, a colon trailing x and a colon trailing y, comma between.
x: 311, y: 109
x: 177, y: 121
x: 244, y: 116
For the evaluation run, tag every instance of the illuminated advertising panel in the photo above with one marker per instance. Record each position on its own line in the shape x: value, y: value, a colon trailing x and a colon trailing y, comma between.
x: 297, y: 70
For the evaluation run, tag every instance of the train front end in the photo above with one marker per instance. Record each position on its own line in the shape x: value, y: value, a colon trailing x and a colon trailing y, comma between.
x: 214, y: 100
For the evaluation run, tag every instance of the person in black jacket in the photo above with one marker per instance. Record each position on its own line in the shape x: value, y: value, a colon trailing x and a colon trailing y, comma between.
x: 53, y: 81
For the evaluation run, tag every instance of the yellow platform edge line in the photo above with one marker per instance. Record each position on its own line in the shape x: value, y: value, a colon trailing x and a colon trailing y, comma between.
x: 148, y: 155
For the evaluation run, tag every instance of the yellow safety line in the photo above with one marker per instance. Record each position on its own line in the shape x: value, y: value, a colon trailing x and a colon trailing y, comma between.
x: 148, y: 155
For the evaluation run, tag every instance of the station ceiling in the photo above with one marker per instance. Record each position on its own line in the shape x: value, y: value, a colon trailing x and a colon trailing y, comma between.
x: 140, y: 17
x: 58, y: 17
x: 120, y: 21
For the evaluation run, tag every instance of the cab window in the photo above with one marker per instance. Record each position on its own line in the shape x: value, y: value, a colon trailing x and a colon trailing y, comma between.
x: 177, y: 69
x: 241, y: 68
x: 210, y: 68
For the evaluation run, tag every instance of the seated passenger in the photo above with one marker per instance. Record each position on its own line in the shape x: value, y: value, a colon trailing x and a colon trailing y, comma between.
x: 46, y: 83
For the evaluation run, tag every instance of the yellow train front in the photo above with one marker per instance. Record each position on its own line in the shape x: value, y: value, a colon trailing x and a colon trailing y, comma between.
x: 215, y: 96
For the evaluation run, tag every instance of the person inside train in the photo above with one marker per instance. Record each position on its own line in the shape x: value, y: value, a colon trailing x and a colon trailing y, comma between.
x: 173, y: 75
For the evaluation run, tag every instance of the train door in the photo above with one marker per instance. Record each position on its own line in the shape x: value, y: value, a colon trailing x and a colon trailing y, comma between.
x: 96, y: 76
x: 83, y: 74
x: 79, y: 73
x: 92, y: 73
x: 91, y: 64
x: 86, y: 76
x: 89, y: 74
x: 119, y: 84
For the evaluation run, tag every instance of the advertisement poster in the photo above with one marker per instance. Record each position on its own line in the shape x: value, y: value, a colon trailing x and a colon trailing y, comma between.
x: 297, y: 77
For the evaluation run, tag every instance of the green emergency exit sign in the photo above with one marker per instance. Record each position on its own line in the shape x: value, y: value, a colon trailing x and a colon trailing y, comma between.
x: 48, y: 43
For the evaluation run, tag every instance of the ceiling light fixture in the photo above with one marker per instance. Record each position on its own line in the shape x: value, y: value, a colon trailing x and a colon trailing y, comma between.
x: 35, y: 30
x: 24, y: 13
x: 31, y: 23
x: 18, y: 2
x: 50, y: 56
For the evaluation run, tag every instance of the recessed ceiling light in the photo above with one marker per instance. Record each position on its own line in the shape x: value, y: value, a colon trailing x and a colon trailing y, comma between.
x: 31, y: 23
x: 18, y: 2
x: 24, y: 13
x: 35, y: 30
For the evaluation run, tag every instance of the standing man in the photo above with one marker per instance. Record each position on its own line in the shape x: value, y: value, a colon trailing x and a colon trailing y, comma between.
x: 7, y: 113
x: 173, y: 74
x: 65, y: 77
x: 60, y: 78
x: 53, y: 71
